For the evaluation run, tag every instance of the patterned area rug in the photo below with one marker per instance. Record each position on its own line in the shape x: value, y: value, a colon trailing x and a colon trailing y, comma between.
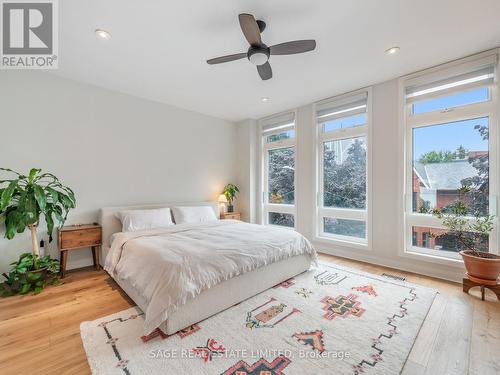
x: 331, y: 320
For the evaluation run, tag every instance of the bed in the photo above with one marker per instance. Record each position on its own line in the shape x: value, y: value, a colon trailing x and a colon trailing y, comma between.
x: 183, y: 274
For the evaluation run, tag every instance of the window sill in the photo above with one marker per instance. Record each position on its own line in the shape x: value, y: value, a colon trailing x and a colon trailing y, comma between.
x: 432, y: 258
x: 342, y: 243
x: 280, y: 226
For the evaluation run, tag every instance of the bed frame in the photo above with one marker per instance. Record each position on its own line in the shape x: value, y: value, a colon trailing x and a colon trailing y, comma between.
x: 215, y: 299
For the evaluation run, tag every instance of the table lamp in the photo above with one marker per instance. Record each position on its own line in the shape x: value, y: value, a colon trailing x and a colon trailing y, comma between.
x: 222, y: 203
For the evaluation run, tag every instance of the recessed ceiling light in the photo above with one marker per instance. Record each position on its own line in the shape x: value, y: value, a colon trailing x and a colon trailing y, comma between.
x: 103, y: 34
x: 264, y: 99
x: 392, y: 50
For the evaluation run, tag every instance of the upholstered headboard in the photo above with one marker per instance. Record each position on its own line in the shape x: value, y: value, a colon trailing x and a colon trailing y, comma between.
x: 111, y: 224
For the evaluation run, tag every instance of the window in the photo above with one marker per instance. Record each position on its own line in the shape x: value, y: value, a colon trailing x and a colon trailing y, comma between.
x: 343, y: 170
x: 446, y: 156
x: 345, y: 227
x: 451, y: 101
x: 286, y: 220
x: 449, y: 125
x: 278, y: 134
x: 441, y: 240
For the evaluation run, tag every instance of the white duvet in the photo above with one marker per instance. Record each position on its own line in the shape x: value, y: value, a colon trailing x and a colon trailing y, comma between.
x: 171, y: 265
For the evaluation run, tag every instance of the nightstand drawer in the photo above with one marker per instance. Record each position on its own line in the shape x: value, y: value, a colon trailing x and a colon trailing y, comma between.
x: 80, y: 238
x: 230, y: 216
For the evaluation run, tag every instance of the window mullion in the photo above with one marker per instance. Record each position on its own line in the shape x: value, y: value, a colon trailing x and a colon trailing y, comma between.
x: 279, y: 144
x: 347, y: 133
x: 455, y: 114
x: 340, y: 213
x: 281, y: 208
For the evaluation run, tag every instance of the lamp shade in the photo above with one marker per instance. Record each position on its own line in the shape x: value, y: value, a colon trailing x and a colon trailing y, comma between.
x: 222, y: 198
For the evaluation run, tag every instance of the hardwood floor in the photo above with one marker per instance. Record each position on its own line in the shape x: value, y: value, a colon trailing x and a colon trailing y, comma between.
x: 41, y: 334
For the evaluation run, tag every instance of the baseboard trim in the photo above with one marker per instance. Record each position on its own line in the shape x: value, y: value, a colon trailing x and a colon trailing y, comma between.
x: 453, y: 274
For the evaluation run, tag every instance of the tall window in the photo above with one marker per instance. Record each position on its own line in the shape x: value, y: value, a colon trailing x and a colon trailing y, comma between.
x: 278, y: 137
x: 342, y: 186
x: 451, y: 125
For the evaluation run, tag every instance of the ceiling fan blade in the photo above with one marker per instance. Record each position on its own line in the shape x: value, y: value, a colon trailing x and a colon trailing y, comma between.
x: 250, y: 29
x: 265, y: 71
x: 223, y: 59
x: 290, y: 48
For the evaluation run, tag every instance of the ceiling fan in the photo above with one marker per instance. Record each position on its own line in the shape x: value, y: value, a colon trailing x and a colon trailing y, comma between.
x: 259, y: 53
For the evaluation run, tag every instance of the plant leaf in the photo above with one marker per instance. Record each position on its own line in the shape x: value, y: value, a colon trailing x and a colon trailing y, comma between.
x: 53, y: 193
x: 47, y: 175
x: 25, y: 289
x: 9, y: 170
x: 35, y: 276
x: 7, y: 194
x: 58, y: 212
x: 32, y: 174
x: 11, y: 225
x: 50, y: 222
x: 31, y: 210
x: 40, y: 197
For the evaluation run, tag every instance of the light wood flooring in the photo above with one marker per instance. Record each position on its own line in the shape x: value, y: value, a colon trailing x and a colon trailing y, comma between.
x: 41, y: 334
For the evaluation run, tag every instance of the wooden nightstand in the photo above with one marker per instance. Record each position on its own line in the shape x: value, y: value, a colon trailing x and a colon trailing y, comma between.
x: 78, y: 237
x: 230, y: 215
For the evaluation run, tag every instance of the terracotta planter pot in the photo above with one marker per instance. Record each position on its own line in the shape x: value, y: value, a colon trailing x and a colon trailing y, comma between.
x: 485, y: 269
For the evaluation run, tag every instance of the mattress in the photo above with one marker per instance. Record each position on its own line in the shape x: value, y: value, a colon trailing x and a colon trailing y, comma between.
x: 225, y: 294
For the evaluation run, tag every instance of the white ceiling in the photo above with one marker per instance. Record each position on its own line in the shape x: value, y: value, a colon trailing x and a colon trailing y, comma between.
x: 159, y: 47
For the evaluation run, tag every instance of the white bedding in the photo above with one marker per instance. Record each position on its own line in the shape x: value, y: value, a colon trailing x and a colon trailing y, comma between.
x: 169, y: 266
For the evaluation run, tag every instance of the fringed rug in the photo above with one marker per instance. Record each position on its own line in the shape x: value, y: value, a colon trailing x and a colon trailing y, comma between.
x: 332, y: 320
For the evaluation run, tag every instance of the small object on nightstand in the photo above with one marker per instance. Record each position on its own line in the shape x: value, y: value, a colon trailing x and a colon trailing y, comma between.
x: 77, y: 237
x: 230, y: 215
x: 222, y: 203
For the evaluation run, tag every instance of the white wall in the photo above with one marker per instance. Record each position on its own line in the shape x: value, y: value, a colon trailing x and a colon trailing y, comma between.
x: 386, y: 185
x: 246, y: 177
x: 112, y: 149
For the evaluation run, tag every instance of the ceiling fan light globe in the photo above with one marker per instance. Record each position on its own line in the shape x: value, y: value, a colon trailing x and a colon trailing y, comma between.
x: 258, y: 58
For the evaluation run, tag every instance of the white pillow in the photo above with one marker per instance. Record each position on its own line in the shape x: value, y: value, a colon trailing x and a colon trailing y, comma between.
x: 194, y: 214
x: 134, y: 220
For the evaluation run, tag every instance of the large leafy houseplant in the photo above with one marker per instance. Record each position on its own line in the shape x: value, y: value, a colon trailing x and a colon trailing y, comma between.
x: 230, y: 191
x: 24, y: 200
x: 470, y: 236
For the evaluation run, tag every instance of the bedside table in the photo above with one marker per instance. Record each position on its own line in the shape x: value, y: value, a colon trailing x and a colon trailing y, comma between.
x: 77, y: 237
x: 230, y: 215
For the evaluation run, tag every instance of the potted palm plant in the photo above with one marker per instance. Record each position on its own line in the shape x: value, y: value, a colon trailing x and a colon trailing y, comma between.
x: 230, y: 191
x: 471, y: 235
x: 24, y: 200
